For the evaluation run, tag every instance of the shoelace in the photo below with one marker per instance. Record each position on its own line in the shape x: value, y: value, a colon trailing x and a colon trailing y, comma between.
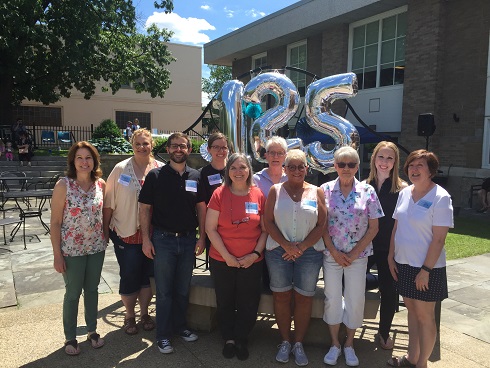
x: 299, y: 349
x: 283, y: 347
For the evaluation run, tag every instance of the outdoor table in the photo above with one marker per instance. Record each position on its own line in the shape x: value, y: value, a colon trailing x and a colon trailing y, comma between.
x: 31, y: 211
x: 5, y: 179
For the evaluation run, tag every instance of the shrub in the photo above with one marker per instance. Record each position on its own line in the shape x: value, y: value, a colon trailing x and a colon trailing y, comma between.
x: 107, y: 129
x: 112, y: 145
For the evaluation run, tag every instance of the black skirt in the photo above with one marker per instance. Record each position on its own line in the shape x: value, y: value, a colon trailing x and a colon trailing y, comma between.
x: 407, y: 288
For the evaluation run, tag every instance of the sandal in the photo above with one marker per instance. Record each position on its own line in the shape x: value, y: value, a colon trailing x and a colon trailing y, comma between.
x: 400, y: 362
x: 130, y: 326
x: 386, y: 344
x: 95, y: 340
x: 147, y: 322
x: 71, y: 347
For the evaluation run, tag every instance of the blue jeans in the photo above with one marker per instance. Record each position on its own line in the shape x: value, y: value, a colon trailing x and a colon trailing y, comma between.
x: 173, y: 263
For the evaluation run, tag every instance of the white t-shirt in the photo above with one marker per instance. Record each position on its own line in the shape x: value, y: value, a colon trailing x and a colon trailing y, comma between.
x: 415, y: 221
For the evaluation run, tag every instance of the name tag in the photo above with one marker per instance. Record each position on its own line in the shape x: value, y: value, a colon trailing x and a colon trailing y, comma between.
x: 124, y: 180
x: 424, y: 203
x: 252, y: 208
x: 215, y: 179
x: 310, y: 203
x: 191, y: 186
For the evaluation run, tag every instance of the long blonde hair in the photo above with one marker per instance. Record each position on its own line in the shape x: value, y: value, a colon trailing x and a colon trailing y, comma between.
x: 396, y: 182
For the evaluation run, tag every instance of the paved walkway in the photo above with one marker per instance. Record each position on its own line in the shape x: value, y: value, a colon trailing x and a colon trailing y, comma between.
x: 31, y: 294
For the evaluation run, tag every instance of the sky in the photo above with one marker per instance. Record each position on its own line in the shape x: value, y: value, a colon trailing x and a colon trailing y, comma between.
x: 196, y: 22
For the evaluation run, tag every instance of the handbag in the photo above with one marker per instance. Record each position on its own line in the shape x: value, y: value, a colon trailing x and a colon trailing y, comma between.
x: 23, y: 150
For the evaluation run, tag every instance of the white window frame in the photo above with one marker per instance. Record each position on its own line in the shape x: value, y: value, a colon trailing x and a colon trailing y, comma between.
x: 288, y: 57
x: 258, y: 56
x: 378, y: 17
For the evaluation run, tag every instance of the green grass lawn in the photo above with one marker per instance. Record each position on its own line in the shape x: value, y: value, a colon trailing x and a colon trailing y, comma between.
x: 470, y: 237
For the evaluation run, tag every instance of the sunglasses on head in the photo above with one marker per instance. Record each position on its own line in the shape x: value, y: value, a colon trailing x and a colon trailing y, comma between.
x: 352, y: 165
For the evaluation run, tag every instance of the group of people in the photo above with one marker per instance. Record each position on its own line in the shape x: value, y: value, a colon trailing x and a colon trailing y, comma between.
x: 273, y: 221
x: 130, y: 128
x: 21, y: 140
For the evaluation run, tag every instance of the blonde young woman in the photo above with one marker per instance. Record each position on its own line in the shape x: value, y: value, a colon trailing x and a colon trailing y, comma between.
x: 383, y: 176
x: 78, y: 240
x: 121, y: 225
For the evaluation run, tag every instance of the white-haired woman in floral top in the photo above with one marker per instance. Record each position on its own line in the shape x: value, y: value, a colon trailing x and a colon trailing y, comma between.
x: 78, y: 240
x: 353, y: 212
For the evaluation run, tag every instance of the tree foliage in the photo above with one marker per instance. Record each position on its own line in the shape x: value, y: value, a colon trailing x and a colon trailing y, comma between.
x: 107, y: 128
x: 48, y: 48
x: 217, y: 77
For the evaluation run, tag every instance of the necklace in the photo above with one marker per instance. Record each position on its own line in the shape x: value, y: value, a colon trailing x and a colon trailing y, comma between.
x: 296, y: 193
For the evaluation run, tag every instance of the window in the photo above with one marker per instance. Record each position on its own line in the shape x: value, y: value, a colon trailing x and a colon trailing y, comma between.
x: 122, y: 118
x: 486, y: 143
x: 377, y: 49
x: 297, y: 58
x: 259, y: 60
x: 38, y: 115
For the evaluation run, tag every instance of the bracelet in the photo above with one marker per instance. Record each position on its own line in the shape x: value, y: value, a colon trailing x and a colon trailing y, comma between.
x: 425, y: 268
x: 257, y: 253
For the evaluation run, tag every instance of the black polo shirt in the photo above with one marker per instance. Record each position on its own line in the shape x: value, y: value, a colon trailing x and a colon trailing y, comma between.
x: 206, y: 176
x: 174, y: 206
x: 381, y: 241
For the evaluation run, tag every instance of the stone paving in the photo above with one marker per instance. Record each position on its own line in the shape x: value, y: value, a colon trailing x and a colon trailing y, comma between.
x: 31, y: 294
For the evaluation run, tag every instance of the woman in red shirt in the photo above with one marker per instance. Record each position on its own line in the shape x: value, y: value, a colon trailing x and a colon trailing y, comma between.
x: 235, y: 228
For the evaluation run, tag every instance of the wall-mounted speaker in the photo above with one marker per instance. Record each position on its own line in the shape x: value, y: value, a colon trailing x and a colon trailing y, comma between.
x: 426, y: 126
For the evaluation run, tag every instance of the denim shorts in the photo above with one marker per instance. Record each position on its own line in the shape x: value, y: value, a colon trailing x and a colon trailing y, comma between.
x: 302, y: 274
x: 135, y: 269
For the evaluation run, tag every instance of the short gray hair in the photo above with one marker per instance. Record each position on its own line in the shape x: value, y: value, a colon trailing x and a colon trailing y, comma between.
x: 231, y: 160
x: 346, y: 152
x: 295, y: 154
x: 280, y: 141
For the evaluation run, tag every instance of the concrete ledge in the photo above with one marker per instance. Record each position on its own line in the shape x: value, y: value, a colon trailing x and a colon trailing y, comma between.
x: 202, y: 308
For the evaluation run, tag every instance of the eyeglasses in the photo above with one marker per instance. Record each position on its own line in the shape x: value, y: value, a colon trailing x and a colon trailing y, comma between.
x: 351, y: 165
x: 294, y: 167
x: 242, y: 221
x: 274, y: 153
x: 219, y: 148
x: 183, y: 147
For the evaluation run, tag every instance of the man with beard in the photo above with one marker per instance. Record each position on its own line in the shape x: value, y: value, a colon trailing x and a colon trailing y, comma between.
x: 170, y: 201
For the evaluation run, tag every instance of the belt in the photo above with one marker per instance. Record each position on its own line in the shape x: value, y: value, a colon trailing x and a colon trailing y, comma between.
x: 177, y: 234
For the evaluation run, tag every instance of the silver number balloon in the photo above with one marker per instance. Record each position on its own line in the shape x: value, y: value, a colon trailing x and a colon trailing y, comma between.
x: 318, y: 100
x: 228, y: 101
x: 285, y: 105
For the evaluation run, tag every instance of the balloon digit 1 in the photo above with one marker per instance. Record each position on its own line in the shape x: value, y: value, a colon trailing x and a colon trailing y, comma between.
x: 286, y: 103
x: 228, y: 102
x: 318, y: 100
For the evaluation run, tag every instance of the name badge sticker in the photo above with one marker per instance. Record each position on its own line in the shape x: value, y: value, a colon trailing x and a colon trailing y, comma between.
x: 424, y: 203
x: 252, y: 208
x: 124, y: 180
x: 310, y: 203
x: 191, y: 186
x: 215, y: 179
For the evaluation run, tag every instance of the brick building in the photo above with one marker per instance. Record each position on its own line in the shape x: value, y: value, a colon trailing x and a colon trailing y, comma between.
x: 411, y: 57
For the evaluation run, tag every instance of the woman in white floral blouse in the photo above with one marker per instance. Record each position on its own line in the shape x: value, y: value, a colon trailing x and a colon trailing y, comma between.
x: 353, y: 212
x: 78, y: 240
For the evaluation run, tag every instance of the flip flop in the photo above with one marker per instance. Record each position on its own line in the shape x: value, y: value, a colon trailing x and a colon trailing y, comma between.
x: 95, y: 340
x: 400, y: 362
x: 71, y: 347
x: 147, y: 322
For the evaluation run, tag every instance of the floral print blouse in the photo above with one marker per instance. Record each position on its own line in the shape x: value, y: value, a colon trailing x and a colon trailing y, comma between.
x: 81, y: 230
x: 348, y: 218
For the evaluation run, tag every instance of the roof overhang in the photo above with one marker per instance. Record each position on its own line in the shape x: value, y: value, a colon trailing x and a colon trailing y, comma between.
x: 293, y: 23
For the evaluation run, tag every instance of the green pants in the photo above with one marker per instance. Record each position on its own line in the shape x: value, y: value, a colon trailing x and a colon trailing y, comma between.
x: 82, y: 272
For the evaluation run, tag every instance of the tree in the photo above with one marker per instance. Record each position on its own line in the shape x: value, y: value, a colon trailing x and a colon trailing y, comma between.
x: 48, y: 48
x: 217, y: 77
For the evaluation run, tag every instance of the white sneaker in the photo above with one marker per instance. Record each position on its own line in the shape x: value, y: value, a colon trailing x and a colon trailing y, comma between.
x: 284, y: 351
x: 350, y: 356
x: 332, y: 355
x: 299, y: 355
